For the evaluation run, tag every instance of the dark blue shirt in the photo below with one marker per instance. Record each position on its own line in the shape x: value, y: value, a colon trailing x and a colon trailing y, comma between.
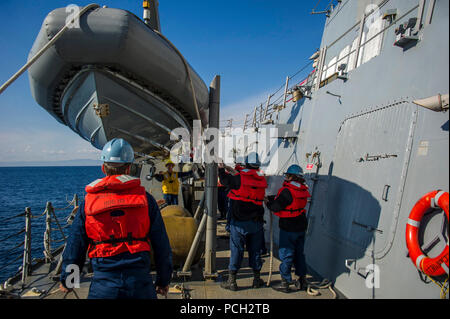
x: 291, y: 224
x: 160, y: 177
x: 78, y: 242
x: 241, y: 211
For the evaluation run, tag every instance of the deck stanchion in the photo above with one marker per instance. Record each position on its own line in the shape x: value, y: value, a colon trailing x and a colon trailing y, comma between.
x: 27, y: 246
x: 200, y: 207
x: 48, y: 235
x: 186, y: 271
x: 211, y: 184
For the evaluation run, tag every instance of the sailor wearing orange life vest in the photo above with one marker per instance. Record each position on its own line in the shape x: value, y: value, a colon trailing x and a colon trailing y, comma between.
x: 116, y: 226
x: 289, y: 206
x: 247, y: 191
x: 239, y: 165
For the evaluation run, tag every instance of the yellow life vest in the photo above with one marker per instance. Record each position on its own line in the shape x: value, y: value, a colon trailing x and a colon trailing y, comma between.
x: 170, y: 184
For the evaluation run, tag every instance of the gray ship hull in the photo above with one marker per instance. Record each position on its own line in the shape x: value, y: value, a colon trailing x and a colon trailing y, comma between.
x: 376, y: 152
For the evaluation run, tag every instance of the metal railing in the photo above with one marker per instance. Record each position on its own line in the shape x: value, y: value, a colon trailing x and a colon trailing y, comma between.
x: 347, y: 60
x: 51, y: 220
x: 267, y: 112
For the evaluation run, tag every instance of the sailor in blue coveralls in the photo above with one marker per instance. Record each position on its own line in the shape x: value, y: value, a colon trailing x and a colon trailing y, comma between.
x: 289, y: 206
x: 247, y: 191
x: 116, y: 225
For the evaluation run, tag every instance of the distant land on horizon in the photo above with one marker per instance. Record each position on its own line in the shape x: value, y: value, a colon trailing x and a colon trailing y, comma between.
x: 76, y: 162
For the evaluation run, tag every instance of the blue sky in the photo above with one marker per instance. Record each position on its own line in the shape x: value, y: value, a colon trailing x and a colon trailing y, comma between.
x: 252, y: 44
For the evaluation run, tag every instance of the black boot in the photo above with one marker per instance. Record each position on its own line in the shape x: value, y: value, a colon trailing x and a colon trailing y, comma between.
x: 257, y: 281
x: 282, y: 287
x: 300, y: 283
x: 230, y: 284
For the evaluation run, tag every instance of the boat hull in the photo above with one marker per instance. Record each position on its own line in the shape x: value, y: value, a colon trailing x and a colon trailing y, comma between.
x: 100, y: 105
x: 114, y: 58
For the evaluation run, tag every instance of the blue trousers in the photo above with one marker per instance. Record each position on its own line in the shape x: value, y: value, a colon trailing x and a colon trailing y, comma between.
x: 129, y: 284
x: 246, y: 234
x: 291, y: 253
x: 171, y: 199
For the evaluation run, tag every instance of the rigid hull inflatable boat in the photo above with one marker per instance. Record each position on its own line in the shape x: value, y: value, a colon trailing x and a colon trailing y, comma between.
x: 114, y: 76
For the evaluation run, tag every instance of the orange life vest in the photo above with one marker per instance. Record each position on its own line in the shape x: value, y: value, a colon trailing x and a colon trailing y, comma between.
x: 300, y: 194
x: 117, y: 218
x: 253, y: 187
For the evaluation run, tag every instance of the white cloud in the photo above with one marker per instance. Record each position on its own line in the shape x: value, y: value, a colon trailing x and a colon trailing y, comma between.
x: 62, y: 144
x: 88, y: 151
x: 53, y: 152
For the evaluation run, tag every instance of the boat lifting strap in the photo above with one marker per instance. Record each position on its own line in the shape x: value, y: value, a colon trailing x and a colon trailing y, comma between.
x: 46, y: 47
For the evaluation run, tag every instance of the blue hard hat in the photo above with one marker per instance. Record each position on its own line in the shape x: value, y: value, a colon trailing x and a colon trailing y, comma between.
x: 239, y: 160
x: 295, y: 170
x: 253, y: 159
x: 117, y: 151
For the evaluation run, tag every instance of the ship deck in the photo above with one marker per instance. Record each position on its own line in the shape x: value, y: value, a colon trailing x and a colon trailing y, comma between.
x: 40, y: 286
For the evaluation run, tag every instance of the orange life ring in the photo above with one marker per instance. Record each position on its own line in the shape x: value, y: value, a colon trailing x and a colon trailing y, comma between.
x: 431, y: 266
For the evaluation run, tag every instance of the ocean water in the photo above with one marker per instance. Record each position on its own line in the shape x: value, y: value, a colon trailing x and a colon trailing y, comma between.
x: 33, y: 187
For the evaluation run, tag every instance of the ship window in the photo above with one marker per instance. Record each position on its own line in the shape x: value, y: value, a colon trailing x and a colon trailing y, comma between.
x: 343, y: 56
x: 372, y: 39
x: 370, y: 46
x: 331, y: 69
x: 352, y: 57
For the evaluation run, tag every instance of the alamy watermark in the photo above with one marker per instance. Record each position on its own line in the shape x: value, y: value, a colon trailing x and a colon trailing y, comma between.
x: 73, y: 277
x: 213, y: 146
x: 73, y: 18
x: 373, y: 276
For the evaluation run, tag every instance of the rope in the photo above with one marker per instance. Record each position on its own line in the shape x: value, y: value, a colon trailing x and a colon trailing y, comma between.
x: 9, y: 218
x: 45, y: 48
x: 316, y: 5
x: 64, y: 208
x: 53, y: 218
x: 10, y: 263
x: 66, y: 226
x: 38, y: 216
x: 443, y: 293
x: 10, y: 236
x: 314, y: 287
x: 271, y: 250
x: 15, y: 247
x: 58, y: 240
x: 59, y: 226
x: 71, y: 216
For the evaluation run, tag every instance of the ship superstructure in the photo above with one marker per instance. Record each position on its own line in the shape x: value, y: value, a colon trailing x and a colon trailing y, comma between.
x: 370, y: 127
x: 369, y: 124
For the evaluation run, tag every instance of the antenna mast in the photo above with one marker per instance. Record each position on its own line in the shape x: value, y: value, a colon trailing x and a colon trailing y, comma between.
x: 151, y: 14
x: 327, y: 10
